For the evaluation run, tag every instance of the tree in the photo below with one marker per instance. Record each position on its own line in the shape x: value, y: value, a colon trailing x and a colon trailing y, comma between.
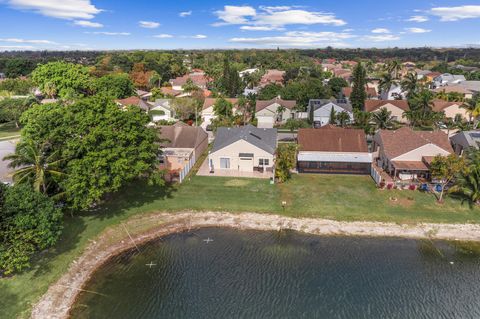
x: 359, y: 95
x: 423, y: 101
x: 12, y: 109
x: 17, y: 86
x: 343, y: 118
x: 286, y: 161
x: 62, y: 76
x: 118, y: 86
x: 104, y: 147
x: 29, y: 222
x: 186, y: 108
x: 223, y: 108
x: 333, y: 117
x: 386, y: 83
x: 363, y: 120
x: 336, y: 85
x: 445, y: 169
x: 472, y: 106
x: 18, y: 67
x: 394, y: 67
x: 383, y: 119
x: 35, y: 166
x: 467, y: 186
x: 410, y: 84
x: 140, y: 76
x: 189, y: 86
x: 269, y: 92
x: 230, y: 83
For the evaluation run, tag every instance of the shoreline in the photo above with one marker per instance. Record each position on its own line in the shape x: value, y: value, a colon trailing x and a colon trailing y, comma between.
x: 61, y: 296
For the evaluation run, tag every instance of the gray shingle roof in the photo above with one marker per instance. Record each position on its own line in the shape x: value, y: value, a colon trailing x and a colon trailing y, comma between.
x: 265, y: 139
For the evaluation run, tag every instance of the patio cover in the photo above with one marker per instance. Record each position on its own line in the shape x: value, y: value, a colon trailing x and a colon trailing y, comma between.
x: 410, y: 166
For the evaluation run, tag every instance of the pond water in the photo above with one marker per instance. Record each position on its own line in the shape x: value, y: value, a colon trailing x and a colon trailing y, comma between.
x: 255, y: 274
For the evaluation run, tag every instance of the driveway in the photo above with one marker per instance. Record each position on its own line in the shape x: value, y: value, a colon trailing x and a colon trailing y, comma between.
x: 6, y: 147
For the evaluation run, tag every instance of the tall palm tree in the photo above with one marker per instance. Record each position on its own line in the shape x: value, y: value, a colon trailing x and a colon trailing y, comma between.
x: 424, y: 101
x: 467, y: 186
x: 386, y: 83
x: 410, y: 84
x: 442, y: 95
x: 473, y: 109
x: 343, y: 118
x: 394, y: 67
x: 363, y: 120
x: 383, y: 119
x: 35, y: 166
x: 280, y: 110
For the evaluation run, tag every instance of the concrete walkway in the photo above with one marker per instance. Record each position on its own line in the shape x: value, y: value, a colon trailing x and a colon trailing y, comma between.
x: 6, y: 147
x: 205, y: 171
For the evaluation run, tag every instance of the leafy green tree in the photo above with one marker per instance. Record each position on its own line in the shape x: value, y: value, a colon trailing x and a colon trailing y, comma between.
x: 63, y: 76
x: 363, y: 120
x: 286, y: 161
x: 18, y: 67
x: 333, y: 117
x: 12, y: 109
x: 336, y: 85
x: 304, y: 90
x: 359, y: 95
x: 230, y: 83
x: 343, y: 118
x: 269, y: 92
x: 189, y: 86
x: 104, y: 147
x: 29, y: 222
x: 383, y: 119
x: 118, y: 86
x: 445, y: 169
x: 35, y: 166
x: 17, y: 86
x: 223, y: 108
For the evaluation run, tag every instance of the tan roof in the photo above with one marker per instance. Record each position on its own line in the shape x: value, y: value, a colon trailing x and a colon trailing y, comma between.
x: 347, y: 91
x: 169, y: 91
x: 410, y: 165
x: 210, y: 101
x: 329, y: 139
x: 373, y: 105
x: 272, y: 76
x: 289, y: 104
x: 440, y: 105
x: 404, y: 140
x: 181, y: 135
x: 199, y: 79
x: 134, y: 100
x: 452, y: 89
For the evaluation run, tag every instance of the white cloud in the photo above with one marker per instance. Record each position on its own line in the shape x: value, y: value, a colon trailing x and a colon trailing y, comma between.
x: 348, y: 30
x: 163, y: 36
x: 299, y: 39
x: 456, y: 13
x: 278, y: 17
x: 417, y: 30
x: 87, y: 24
x: 62, y: 9
x: 380, y: 30
x: 418, y: 19
x: 260, y: 28
x: 15, y: 40
x: 148, y: 24
x: 185, y: 14
x: 197, y: 36
x: 109, y: 33
x: 381, y: 38
x: 234, y: 15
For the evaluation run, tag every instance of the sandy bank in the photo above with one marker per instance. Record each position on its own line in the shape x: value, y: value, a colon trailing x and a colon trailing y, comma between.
x: 59, y: 298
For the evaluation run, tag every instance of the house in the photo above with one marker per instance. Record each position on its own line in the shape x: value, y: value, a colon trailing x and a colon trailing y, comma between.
x: 144, y: 95
x: 208, y: 113
x: 447, y: 78
x: 168, y: 91
x: 244, y: 149
x: 451, y: 109
x: 406, y: 154
x: 430, y: 76
x: 198, y: 77
x: 133, y: 100
x: 395, y: 107
x: 394, y: 92
x: 272, y: 77
x: 267, y: 112
x: 247, y: 71
x: 463, y: 141
x: 319, y: 110
x: 333, y: 150
x: 181, y: 146
x: 371, y: 93
x: 465, y: 93
x: 162, y: 109
x: 342, y: 73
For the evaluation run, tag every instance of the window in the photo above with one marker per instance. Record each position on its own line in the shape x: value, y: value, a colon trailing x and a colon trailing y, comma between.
x: 224, y: 162
x: 263, y: 162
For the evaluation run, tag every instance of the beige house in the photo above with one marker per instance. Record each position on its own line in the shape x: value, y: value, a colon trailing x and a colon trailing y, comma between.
x: 208, y: 113
x: 451, y: 109
x: 396, y: 107
x: 181, y: 147
x: 267, y: 112
x: 406, y: 154
x: 243, y: 149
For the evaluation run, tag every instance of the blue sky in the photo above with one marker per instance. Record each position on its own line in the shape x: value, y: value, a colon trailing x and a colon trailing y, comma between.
x: 114, y: 24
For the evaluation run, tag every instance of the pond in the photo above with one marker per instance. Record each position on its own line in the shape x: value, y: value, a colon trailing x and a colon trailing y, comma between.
x: 226, y: 273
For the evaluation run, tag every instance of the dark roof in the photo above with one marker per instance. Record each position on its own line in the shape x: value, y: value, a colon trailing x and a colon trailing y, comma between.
x: 467, y: 139
x: 263, y: 138
x: 289, y: 104
x: 404, y: 140
x: 332, y: 139
x: 181, y: 135
x: 318, y: 103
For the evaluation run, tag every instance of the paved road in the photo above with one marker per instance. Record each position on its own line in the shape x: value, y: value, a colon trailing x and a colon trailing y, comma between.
x: 6, y: 147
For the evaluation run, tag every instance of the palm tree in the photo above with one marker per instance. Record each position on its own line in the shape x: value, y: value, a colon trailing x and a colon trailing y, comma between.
x: 410, y: 84
x: 35, y: 166
x: 50, y: 89
x: 467, y: 186
x: 363, y: 120
x: 280, y: 110
x: 154, y: 80
x: 386, y: 83
x: 343, y: 118
x: 424, y: 101
x: 442, y: 95
x: 383, y: 119
x: 473, y: 109
x: 394, y: 67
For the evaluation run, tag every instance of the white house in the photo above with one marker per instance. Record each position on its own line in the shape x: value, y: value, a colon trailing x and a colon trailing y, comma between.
x: 267, y: 112
x: 448, y: 79
x: 208, y: 113
x: 162, y: 110
x: 393, y: 93
x: 319, y: 110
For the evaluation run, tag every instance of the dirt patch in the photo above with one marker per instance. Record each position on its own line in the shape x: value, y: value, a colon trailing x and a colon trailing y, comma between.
x: 60, y: 297
x: 402, y: 201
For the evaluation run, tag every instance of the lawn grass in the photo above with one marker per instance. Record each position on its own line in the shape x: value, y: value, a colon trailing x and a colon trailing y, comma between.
x: 324, y: 196
x: 8, y: 130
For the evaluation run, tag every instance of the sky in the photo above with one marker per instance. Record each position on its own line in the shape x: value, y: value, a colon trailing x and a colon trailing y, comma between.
x: 174, y: 24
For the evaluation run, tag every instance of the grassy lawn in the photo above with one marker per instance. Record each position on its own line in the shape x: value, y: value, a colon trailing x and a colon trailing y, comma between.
x: 335, y: 197
x: 8, y: 130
